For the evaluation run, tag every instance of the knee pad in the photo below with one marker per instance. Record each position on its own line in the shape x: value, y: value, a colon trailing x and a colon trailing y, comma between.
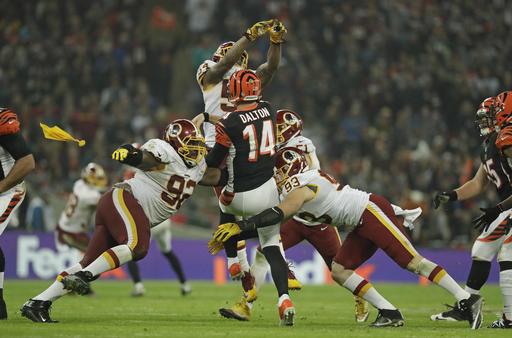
x: 339, y: 273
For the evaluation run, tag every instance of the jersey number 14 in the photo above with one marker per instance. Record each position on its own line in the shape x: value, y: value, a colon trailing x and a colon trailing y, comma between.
x: 267, y: 145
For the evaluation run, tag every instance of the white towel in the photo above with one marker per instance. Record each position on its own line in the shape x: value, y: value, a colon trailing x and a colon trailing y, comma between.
x: 409, y: 215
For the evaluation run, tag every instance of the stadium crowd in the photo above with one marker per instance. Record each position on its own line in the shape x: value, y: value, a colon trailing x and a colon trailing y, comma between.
x: 388, y: 89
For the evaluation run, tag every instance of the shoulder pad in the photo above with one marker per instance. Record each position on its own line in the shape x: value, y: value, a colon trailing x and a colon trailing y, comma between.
x: 504, y: 138
x: 9, y: 123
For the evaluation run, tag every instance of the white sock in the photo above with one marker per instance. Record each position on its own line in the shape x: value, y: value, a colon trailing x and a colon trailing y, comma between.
x: 110, y: 259
x: 1, y: 280
x: 364, y: 289
x: 259, y: 269
x: 232, y: 260
x: 506, y: 292
x: 282, y: 299
x: 56, y: 289
x: 242, y: 258
x: 471, y: 291
x: 436, y: 274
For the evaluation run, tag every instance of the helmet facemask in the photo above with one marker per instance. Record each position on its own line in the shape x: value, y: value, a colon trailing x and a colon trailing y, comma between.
x: 191, y: 148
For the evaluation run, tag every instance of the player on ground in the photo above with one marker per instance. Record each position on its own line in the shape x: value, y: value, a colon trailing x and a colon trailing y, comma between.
x: 16, y: 162
x: 371, y: 223
x: 325, y: 239
x: 246, y: 137
x: 493, y: 237
x: 170, y: 168
x: 213, y: 79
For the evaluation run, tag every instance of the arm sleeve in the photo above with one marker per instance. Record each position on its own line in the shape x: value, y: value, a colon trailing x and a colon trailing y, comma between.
x: 15, y: 145
x: 216, y: 155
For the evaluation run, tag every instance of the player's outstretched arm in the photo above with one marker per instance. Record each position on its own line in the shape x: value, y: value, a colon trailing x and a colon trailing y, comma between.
x: 271, y: 216
x: 214, y: 177
x: 267, y: 70
x: 138, y: 158
x: 216, y: 72
x: 21, y: 168
x: 470, y: 189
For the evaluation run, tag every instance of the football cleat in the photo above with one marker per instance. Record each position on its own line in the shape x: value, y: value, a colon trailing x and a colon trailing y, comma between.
x: 78, y: 282
x: 138, y: 290
x: 293, y: 282
x: 3, y: 309
x: 502, y: 323
x: 362, y: 309
x: 472, y: 310
x: 235, y: 271
x: 185, y: 289
x: 37, y: 311
x: 386, y: 318
x: 452, y: 315
x: 286, y: 313
x: 249, y: 287
x: 239, y: 311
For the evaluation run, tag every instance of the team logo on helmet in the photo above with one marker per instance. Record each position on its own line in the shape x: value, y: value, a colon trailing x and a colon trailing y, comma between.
x: 290, y: 161
x: 187, y: 140
x: 503, y: 109
x: 288, y: 124
x: 244, y: 87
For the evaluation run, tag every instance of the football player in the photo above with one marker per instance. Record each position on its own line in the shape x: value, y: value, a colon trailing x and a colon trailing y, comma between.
x: 213, y: 78
x: 371, y: 223
x: 163, y: 235
x: 245, y: 139
x: 16, y: 162
x: 325, y: 239
x: 72, y: 227
x: 495, y: 223
x: 170, y: 168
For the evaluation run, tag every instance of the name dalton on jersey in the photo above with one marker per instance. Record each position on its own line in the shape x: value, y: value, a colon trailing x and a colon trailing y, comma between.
x: 254, y: 115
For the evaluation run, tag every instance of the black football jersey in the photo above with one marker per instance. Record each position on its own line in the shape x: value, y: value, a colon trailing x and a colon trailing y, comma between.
x: 247, y: 138
x: 496, y: 167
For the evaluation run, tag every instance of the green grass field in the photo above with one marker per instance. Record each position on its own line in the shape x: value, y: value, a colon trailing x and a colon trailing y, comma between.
x: 322, y: 311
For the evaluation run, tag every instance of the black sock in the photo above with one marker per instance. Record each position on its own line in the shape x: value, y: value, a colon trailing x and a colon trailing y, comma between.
x: 133, y: 270
x: 2, y: 269
x: 176, y: 265
x: 478, y: 274
x: 278, y: 268
x: 230, y: 246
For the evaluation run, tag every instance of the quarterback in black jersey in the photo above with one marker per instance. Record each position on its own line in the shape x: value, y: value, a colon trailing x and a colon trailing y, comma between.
x: 246, y: 138
x: 494, y: 168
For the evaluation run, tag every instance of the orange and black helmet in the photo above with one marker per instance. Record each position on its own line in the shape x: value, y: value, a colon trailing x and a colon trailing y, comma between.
x: 503, y: 109
x: 244, y: 87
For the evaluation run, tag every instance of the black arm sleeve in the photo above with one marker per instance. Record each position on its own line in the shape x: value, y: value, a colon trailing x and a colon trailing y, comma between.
x: 216, y: 155
x: 15, y: 145
x: 265, y: 218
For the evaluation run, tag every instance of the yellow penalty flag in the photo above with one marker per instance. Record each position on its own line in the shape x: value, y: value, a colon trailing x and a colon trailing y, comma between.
x: 57, y: 134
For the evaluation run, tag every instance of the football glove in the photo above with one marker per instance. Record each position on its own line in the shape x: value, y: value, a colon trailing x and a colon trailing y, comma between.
x: 483, y: 221
x: 444, y: 197
x: 258, y: 29
x: 128, y: 154
x: 277, y: 32
x: 214, y: 247
x: 226, y: 231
